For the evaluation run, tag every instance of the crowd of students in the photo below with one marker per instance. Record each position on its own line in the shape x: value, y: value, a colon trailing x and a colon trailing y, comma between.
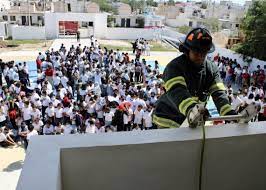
x: 243, y: 85
x: 84, y: 89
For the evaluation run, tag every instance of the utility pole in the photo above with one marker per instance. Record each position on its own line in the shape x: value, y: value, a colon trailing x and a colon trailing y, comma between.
x: 45, y: 39
x: 29, y: 13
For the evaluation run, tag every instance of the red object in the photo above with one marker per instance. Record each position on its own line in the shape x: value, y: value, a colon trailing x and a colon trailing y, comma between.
x: 13, y: 114
x: 245, y: 75
x: 49, y: 72
x: 264, y: 113
x: 66, y: 101
x: 218, y: 122
x: 216, y: 57
x: 39, y: 63
x: 123, y: 105
x: 68, y: 27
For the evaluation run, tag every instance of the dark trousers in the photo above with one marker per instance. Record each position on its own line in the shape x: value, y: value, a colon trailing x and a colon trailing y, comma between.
x: 127, y: 127
x: 43, y: 111
x: 131, y: 74
x: 137, y: 76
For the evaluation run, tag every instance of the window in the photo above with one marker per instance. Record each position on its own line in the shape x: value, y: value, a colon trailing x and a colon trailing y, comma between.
x: 114, y: 19
x: 190, y: 23
x: 69, y: 7
x: 5, y: 18
x: 237, y: 25
x: 12, y: 18
x: 90, y: 23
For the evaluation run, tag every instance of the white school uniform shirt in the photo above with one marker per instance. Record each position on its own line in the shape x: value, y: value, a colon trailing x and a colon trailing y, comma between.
x: 56, y: 80
x: 97, y: 78
x: 68, y: 111
x: 37, y: 126
x: 138, y: 116
x: 47, y: 130
x: 91, y: 129
x: 100, y: 130
x: 128, y: 118
x: 147, y: 119
x: 108, y: 116
x: 58, y: 112
x: 49, y: 111
x: 64, y: 81
x: 67, y: 129
x: 27, y: 113
x: 59, y: 129
x: 36, y: 114
x: 2, y: 137
x: 236, y: 102
x: 31, y: 134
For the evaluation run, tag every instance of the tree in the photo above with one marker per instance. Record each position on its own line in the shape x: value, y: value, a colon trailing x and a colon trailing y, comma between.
x: 184, y: 29
x: 212, y: 24
x: 171, y: 2
x: 105, y: 6
x: 253, y: 27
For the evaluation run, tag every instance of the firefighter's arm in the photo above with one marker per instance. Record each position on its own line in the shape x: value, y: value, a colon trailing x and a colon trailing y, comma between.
x: 176, y: 88
x: 219, y: 96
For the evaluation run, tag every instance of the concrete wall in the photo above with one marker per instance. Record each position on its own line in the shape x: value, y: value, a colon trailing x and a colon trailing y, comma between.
x: 3, y: 28
x: 130, y: 166
x: 52, y: 29
x: 177, y: 22
x: 159, y: 159
x: 120, y: 17
x: 130, y: 33
x: 233, y: 55
x: 28, y: 32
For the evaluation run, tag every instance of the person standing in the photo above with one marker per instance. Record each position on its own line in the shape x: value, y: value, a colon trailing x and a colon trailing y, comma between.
x: 78, y: 36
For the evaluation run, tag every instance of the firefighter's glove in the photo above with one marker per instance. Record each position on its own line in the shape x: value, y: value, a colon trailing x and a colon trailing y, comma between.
x: 197, y: 116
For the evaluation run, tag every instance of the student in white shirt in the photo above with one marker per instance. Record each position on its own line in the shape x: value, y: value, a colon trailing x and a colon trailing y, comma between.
x: 37, y: 124
x: 58, y: 113
x: 32, y: 132
x: 108, y: 117
x: 91, y: 128
x: 68, y: 129
x: 50, y: 112
x: 147, y: 117
x: 35, y: 113
x: 127, y: 118
x: 59, y: 129
x: 48, y: 129
x: 138, y: 116
x: 26, y: 113
x: 5, y: 139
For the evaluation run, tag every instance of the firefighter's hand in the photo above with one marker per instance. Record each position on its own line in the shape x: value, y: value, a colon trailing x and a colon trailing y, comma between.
x: 197, y: 115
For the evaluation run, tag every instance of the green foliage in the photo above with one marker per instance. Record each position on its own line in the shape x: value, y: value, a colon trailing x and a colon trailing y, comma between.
x: 253, y: 26
x: 139, y: 4
x: 151, y: 3
x: 171, y: 2
x: 105, y: 6
x: 184, y: 29
x: 204, y: 6
x: 212, y: 24
x: 110, y: 21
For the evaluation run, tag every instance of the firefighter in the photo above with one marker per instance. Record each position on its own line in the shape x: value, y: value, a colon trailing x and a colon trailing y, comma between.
x: 189, y: 80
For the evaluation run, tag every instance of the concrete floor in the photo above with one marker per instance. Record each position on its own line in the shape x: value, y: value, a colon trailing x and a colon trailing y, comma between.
x: 11, y: 162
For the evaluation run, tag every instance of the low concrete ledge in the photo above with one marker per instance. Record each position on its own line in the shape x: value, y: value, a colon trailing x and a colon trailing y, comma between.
x: 235, y: 158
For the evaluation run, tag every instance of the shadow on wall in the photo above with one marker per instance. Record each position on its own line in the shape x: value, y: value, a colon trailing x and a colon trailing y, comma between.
x: 14, y: 166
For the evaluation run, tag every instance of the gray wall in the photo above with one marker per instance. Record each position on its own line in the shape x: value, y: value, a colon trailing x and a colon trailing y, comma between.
x: 149, y: 166
x: 234, y: 159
